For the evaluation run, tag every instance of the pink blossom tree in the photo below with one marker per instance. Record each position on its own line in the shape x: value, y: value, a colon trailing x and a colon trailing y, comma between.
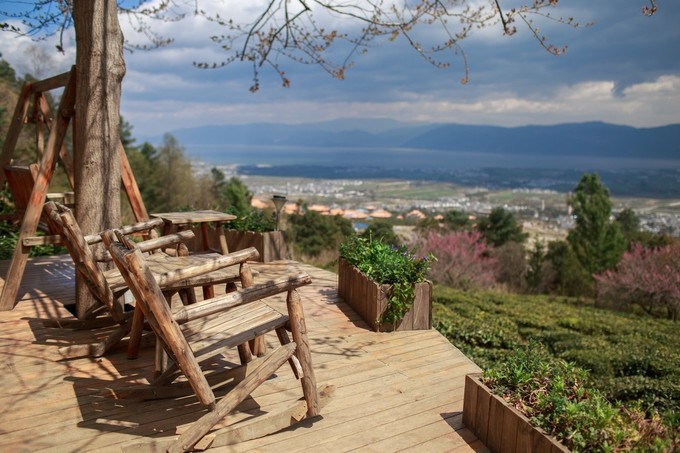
x: 646, y: 277
x: 463, y: 259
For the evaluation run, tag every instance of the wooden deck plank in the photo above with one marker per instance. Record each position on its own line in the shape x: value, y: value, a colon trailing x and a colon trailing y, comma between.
x: 394, y: 391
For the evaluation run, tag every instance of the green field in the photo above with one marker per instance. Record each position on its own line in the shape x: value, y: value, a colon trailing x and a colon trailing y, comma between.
x: 631, y: 358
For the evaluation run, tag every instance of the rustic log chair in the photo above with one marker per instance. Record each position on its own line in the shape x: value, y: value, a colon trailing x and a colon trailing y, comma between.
x: 194, y: 333
x: 20, y: 181
x: 108, y: 286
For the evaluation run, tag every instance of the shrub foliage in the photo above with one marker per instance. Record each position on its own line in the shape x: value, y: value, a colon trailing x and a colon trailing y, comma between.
x: 631, y: 358
x: 558, y: 397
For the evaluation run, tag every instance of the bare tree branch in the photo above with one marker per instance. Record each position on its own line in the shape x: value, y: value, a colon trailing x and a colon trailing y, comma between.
x: 292, y: 28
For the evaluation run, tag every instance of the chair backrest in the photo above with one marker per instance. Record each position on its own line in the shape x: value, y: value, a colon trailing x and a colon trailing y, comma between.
x: 153, y: 304
x: 64, y: 222
x: 21, y: 180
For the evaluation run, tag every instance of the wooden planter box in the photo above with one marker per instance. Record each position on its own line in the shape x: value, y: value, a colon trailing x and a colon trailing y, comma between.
x: 499, y: 426
x: 271, y: 245
x: 368, y: 299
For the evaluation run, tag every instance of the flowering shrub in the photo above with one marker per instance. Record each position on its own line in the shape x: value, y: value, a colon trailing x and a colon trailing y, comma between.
x: 388, y: 264
x: 463, y: 259
x: 648, y: 278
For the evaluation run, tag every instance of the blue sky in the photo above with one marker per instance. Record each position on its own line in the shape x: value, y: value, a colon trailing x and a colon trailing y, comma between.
x: 624, y: 69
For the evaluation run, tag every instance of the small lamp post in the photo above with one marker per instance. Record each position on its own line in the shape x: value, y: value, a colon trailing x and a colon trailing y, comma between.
x: 279, y: 201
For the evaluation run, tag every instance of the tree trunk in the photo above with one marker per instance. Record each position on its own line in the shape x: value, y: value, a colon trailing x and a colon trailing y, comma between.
x: 100, y: 69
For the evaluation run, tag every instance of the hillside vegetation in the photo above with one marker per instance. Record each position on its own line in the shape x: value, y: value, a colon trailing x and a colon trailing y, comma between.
x: 631, y: 358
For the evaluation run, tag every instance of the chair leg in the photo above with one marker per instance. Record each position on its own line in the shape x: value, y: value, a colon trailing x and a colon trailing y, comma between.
x: 96, y: 349
x: 230, y: 287
x: 208, y: 292
x: 299, y: 330
x: 293, y: 361
x: 99, y: 349
x: 136, y: 333
x: 244, y: 354
x: 160, y: 361
x: 187, y: 296
x: 258, y: 346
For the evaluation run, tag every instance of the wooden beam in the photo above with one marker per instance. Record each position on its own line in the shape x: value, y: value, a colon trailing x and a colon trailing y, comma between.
x: 264, y: 425
x: 269, y: 365
x: 32, y: 241
x: 14, y: 129
x: 256, y: 427
x: 131, y: 188
x: 51, y: 83
x: 64, y: 156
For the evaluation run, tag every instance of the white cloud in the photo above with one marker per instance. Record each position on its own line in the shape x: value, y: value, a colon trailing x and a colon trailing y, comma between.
x: 663, y: 86
x: 512, y: 84
x: 644, y: 105
x: 596, y: 91
x: 20, y: 52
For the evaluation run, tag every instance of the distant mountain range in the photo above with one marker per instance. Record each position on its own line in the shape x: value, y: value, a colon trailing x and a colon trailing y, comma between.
x: 592, y: 139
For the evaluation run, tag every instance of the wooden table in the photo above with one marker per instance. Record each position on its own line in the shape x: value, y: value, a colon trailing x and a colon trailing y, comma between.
x: 183, y: 220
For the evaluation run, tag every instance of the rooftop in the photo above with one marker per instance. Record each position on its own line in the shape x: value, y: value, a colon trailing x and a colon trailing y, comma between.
x: 394, y: 391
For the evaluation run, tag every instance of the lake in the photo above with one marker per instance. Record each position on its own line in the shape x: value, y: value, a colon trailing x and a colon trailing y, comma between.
x: 411, y: 158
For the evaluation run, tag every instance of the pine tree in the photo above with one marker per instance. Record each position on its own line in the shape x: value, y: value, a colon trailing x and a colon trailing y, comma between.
x: 596, y: 241
x: 501, y: 227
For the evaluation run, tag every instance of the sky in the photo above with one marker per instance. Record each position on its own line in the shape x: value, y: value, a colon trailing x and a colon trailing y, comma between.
x: 623, y: 69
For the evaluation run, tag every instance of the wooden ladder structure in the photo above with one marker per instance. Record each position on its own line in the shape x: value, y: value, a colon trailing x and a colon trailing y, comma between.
x: 48, y: 153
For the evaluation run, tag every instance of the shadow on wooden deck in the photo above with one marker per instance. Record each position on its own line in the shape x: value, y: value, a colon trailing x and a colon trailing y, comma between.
x: 394, y: 391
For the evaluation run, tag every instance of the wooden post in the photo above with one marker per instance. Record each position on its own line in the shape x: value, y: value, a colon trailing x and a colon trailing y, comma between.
x: 299, y: 330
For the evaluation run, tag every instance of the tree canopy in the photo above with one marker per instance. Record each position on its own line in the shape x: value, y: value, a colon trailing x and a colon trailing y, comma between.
x: 501, y: 227
x: 596, y: 240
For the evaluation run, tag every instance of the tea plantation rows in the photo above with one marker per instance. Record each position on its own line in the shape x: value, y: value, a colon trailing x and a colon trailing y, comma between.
x: 630, y: 357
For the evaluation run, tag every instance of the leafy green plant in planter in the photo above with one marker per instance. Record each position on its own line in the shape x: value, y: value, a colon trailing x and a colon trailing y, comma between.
x: 557, y: 397
x: 391, y: 265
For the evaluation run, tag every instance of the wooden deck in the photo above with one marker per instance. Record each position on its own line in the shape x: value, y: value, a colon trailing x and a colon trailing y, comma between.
x: 394, y: 392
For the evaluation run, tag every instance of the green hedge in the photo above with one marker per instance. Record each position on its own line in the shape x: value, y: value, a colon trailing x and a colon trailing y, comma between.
x: 630, y: 358
x: 558, y: 396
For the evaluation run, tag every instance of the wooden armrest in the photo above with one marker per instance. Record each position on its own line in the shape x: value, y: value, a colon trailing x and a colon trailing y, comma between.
x: 165, y: 241
x: 136, y: 228
x: 153, y: 244
x: 168, y: 278
x: 243, y: 296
